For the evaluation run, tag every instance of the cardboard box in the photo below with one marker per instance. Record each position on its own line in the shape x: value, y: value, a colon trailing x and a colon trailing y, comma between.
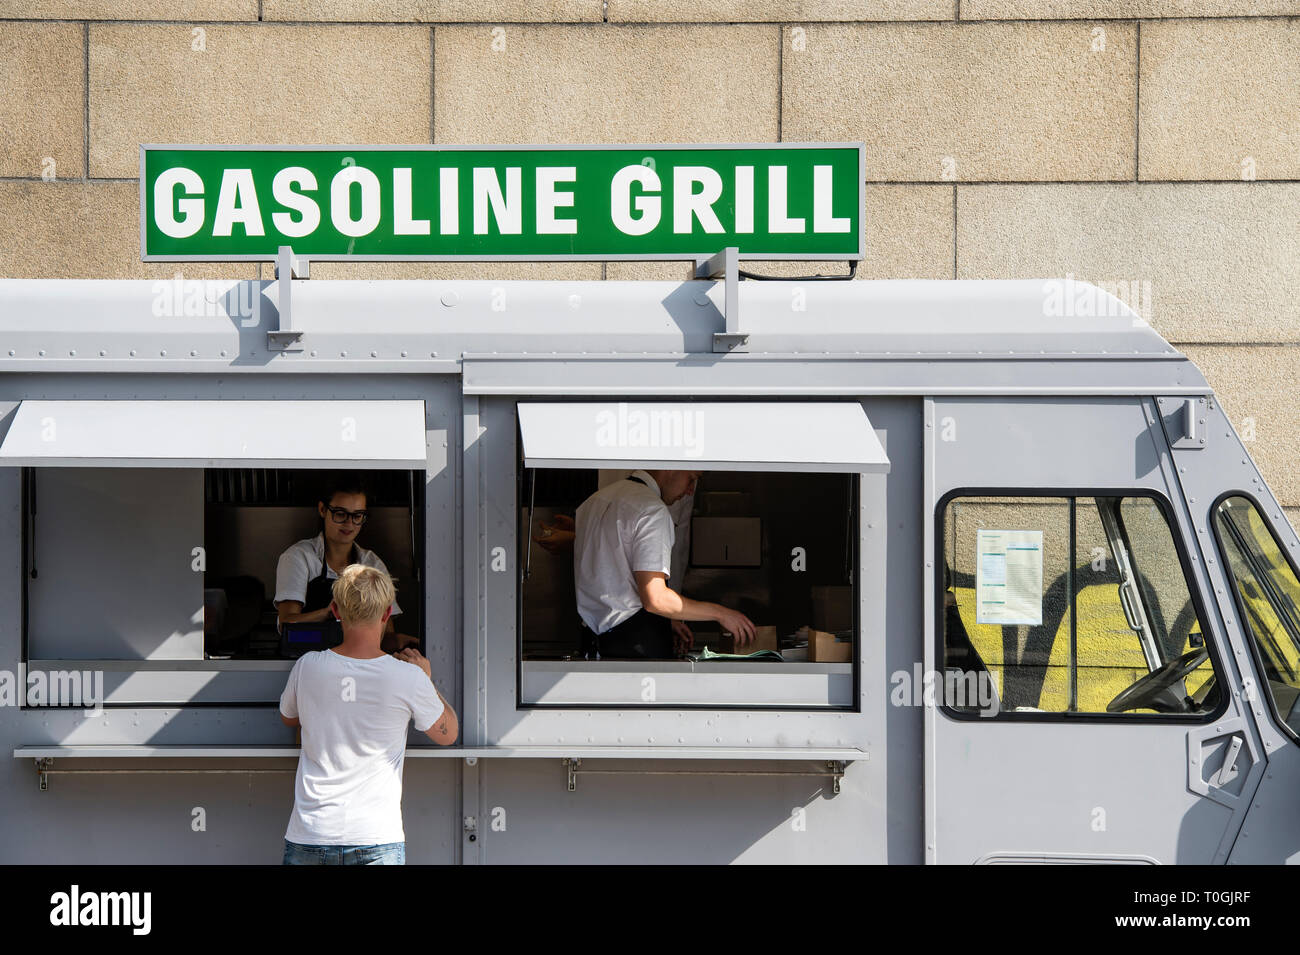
x: 764, y: 639
x: 832, y: 608
x: 824, y: 648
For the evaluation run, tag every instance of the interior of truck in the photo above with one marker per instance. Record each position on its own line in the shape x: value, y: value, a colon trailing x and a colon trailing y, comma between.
x: 251, y: 515
x: 780, y: 547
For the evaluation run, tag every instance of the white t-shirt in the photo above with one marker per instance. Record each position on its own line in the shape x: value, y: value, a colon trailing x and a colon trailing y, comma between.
x: 681, y: 511
x: 300, y: 564
x: 622, y: 528
x: 354, y: 716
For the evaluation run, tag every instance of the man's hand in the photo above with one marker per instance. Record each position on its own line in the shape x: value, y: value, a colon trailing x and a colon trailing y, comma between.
x: 393, y: 642
x: 557, y: 536
x: 683, y: 638
x: 738, y: 625
x: 411, y: 655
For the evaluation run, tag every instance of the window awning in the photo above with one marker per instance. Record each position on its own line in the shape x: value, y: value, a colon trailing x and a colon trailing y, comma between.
x: 237, y: 433
x: 702, y: 436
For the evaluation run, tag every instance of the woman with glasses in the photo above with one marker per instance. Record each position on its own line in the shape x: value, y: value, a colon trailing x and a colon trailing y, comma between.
x: 307, y: 570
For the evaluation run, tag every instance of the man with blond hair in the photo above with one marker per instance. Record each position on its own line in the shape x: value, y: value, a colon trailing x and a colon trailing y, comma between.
x: 353, y: 704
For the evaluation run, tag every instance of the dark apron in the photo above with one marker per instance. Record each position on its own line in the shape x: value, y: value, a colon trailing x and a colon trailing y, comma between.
x: 320, y: 593
x: 644, y: 635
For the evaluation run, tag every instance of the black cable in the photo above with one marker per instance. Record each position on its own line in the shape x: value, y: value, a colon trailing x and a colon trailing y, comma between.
x: 853, y: 271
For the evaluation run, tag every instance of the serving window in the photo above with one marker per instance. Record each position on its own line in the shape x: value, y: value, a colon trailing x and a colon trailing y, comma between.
x: 151, y: 544
x: 772, y: 530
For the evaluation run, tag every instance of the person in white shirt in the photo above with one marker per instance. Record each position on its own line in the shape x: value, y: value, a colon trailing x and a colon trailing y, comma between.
x: 622, y: 558
x: 353, y: 704
x: 556, y: 537
x: 307, y: 569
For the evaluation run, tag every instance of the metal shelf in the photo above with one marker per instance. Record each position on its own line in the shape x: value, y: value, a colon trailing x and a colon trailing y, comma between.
x: 836, y: 759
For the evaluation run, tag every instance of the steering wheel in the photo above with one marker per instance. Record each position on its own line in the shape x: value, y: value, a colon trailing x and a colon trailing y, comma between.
x: 1152, y: 690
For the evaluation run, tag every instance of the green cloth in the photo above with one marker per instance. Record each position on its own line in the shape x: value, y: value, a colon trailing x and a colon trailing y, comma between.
x: 708, y: 654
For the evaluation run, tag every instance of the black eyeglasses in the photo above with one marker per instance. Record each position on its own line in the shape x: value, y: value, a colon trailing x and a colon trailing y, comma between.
x: 341, y: 515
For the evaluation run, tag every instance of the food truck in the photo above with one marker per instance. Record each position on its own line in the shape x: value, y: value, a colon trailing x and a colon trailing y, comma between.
x: 1025, y: 596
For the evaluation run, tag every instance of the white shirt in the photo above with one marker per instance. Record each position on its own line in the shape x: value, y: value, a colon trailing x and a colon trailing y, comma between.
x: 300, y: 564
x: 354, y: 716
x: 681, y: 511
x: 622, y: 528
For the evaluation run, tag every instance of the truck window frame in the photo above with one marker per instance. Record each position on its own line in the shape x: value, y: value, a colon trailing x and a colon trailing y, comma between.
x: 1247, y: 631
x: 1063, y: 494
x: 29, y: 509
x: 855, y: 706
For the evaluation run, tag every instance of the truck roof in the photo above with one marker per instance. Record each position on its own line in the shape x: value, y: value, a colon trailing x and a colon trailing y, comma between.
x: 936, y: 327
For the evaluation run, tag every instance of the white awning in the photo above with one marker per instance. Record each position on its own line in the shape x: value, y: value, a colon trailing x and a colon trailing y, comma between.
x: 181, y: 434
x: 702, y: 436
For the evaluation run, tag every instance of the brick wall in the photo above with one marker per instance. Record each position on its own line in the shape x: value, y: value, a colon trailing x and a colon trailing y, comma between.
x: 1152, y: 145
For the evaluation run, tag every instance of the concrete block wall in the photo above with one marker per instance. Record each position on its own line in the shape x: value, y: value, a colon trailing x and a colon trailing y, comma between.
x: 1151, y: 145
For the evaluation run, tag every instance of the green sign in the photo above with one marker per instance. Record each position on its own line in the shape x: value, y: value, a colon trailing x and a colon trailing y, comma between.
x: 787, y: 201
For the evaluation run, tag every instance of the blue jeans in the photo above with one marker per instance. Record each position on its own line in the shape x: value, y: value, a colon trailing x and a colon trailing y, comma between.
x: 388, y: 853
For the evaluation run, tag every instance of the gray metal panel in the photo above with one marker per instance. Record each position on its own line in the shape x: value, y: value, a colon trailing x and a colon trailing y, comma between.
x: 703, y: 436
x: 92, y: 526
x: 807, y: 376
x: 771, y: 685
x: 196, y: 434
x: 698, y: 814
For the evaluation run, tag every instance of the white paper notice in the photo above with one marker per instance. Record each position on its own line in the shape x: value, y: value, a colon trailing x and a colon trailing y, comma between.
x: 1009, y: 577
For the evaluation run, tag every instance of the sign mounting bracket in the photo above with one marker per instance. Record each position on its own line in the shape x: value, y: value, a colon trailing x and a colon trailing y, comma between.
x: 726, y: 266
x: 287, y: 268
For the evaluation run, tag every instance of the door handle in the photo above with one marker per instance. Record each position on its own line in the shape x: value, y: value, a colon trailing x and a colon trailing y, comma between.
x: 1229, y: 771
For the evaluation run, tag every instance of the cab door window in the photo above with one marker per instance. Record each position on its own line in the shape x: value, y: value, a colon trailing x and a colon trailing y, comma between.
x: 1070, y: 605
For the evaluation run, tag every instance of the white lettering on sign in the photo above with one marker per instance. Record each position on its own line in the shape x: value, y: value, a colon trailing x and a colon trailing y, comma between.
x: 282, y: 188
x: 403, y: 224
x: 165, y: 203
x: 341, y: 201
x: 449, y: 201
x: 778, y: 218
x: 507, y: 209
x: 824, y: 221
x: 688, y: 204
x: 744, y: 199
x: 548, y: 200
x: 237, y: 203
x: 649, y: 208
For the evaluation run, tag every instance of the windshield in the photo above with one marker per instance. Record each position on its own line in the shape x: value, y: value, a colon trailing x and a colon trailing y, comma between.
x: 1269, y: 594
